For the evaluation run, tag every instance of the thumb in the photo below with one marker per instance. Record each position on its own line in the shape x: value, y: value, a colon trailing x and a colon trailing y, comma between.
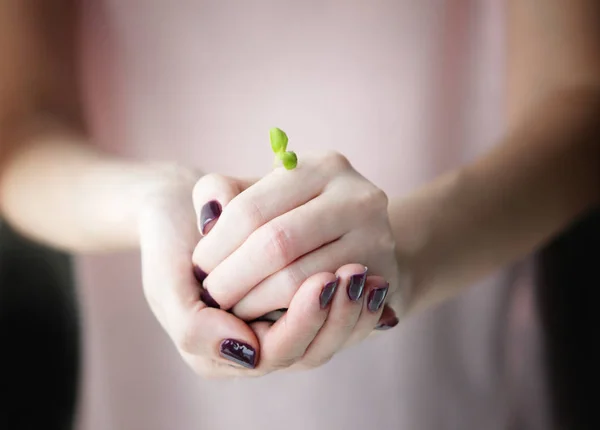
x: 211, y: 194
x: 211, y: 340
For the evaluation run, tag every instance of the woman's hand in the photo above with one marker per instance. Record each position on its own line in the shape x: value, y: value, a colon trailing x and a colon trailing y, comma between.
x: 275, y: 234
x: 319, y: 321
x: 216, y: 343
x: 168, y: 234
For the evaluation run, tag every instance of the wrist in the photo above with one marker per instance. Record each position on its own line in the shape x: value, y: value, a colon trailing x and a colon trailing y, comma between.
x: 60, y: 190
x: 161, y: 179
x: 427, y: 234
x: 120, y: 194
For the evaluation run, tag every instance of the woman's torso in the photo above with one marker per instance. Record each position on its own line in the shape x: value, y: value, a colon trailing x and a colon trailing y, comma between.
x: 406, y: 90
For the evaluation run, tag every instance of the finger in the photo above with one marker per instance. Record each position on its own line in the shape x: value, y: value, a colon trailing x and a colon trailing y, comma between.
x: 388, y: 319
x: 217, y: 338
x: 172, y: 293
x: 275, y: 245
x: 211, y: 194
x: 285, y: 342
x: 342, y: 319
x: 277, y: 290
x: 376, y: 291
x: 277, y: 193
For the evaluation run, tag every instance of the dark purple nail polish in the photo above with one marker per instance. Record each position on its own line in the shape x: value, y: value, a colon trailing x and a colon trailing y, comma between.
x: 210, y: 212
x: 377, y: 297
x: 208, y: 300
x: 327, y: 293
x: 357, y: 285
x: 199, y: 274
x: 386, y: 325
x: 239, y: 352
x: 205, y: 296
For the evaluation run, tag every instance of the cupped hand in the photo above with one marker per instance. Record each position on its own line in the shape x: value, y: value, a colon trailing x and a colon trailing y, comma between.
x: 272, y: 235
x: 216, y: 343
x: 168, y: 234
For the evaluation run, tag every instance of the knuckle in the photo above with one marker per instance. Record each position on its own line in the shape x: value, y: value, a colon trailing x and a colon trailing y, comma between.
x: 207, y: 182
x: 372, y: 200
x: 370, y: 205
x: 277, y: 246
x: 246, y: 211
x: 336, y: 162
x: 380, y: 199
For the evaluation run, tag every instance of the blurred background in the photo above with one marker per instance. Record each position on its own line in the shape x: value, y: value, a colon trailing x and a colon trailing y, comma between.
x: 567, y: 277
x: 40, y: 339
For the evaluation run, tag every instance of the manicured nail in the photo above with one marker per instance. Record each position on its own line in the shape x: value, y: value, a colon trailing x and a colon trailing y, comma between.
x: 357, y: 285
x: 327, y: 293
x: 199, y: 274
x: 386, y: 325
x: 377, y: 297
x: 205, y: 296
x: 209, y: 213
x: 208, y: 300
x: 239, y: 352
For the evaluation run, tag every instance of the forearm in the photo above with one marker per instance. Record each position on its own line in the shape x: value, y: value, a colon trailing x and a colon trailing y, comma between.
x: 473, y: 221
x: 60, y: 190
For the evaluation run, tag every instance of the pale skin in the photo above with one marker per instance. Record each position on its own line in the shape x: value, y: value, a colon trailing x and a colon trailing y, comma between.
x: 56, y: 187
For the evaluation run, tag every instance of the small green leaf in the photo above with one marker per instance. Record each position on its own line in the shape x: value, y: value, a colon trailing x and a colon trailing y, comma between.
x: 279, y: 140
x: 289, y: 159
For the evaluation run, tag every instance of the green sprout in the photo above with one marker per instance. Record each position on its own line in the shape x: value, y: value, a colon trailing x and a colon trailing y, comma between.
x: 279, y: 141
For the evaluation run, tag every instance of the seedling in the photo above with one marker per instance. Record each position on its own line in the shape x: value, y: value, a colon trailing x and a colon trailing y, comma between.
x: 279, y: 141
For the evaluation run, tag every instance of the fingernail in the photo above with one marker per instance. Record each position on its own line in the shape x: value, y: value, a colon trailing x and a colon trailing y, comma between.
x: 327, y: 293
x: 239, y: 352
x: 209, y: 213
x: 199, y: 274
x: 205, y: 296
x: 357, y: 285
x: 386, y: 325
x: 208, y: 300
x: 377, y: 297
